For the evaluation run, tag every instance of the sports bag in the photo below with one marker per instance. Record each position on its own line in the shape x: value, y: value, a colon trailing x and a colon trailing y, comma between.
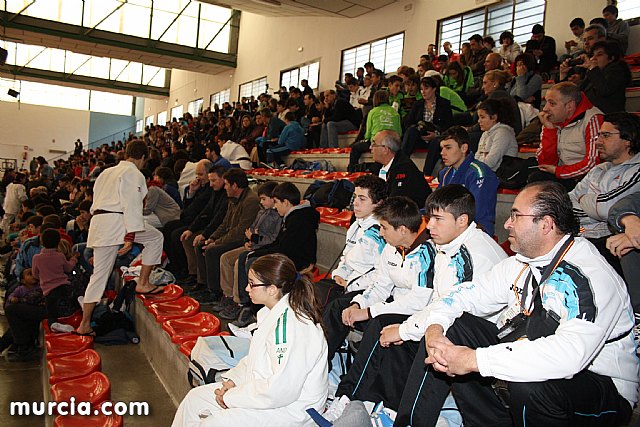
x: 212, y: 356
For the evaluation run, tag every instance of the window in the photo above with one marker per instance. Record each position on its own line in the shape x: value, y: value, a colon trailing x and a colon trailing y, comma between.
x: 139, y: 125
x: 114, y: 103
x: 162, y: 118
x: 253, y: 88
x: 386, y: 55
x: 628, y: 9
x: 517, y: 16
x: 220, y: 98
x: 293, y: 77
x: 194, y: 107
x: 176, y: 112
x: 148, y: 121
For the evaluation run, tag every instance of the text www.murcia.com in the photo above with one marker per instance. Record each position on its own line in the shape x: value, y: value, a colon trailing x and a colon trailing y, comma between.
x: 78, y: 408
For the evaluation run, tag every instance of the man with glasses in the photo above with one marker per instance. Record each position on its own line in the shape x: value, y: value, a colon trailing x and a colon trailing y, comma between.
x: 618, y: 175
x: 558, y: 348
x: 402, y: 175
x: 570, y: 126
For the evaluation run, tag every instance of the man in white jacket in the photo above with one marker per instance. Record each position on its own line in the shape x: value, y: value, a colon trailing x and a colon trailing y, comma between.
x: 118, y: 196
x: 561, y: 351
x: 15, y: 195
x: 391, y: 341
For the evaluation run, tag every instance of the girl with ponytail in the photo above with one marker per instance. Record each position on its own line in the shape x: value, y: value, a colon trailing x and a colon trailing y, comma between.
x: 285, y: 372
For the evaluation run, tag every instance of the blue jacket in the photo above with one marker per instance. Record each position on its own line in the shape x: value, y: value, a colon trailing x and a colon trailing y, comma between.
x: 30, y: 248
x: 292, y: 136
x: 482, y: 182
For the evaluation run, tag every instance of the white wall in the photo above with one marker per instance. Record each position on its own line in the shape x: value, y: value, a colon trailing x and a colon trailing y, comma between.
x: 269, y: 45
x: 38, y: 127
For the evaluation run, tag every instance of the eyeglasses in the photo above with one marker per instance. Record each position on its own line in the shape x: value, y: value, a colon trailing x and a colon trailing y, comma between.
x: 607, y: 135
x: 374, y: 145
x: 514, y: 215
x: 252, y: 284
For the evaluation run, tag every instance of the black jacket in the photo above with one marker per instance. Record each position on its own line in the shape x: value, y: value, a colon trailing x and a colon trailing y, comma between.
x: 194, y: 205
x: 606, y: 88
x: 297, y: 238
x: 405, y: 179
x: 442, y: 119
x: 212, y: 215
x: 342, y: 110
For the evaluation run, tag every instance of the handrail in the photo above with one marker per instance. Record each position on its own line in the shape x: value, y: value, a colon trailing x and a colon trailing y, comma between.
x: 122, y: 134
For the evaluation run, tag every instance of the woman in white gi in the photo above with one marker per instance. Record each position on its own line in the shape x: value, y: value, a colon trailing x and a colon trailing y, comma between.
x: 285, y: 372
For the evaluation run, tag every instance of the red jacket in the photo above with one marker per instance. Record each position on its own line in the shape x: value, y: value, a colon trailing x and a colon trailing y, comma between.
x: 586, y: 120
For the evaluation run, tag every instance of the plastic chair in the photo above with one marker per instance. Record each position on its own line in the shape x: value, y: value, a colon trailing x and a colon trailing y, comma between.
x: 187, y: 346
x: 190, y: 328
x: 176, y: 309
x: 169, y: 293
x: 73, y: 366
x: 94, y: 388
x: 326, y: 211
x: 73, y: 320
x: 65, y: 344
x: 88, y: 421
x: 341, y: 219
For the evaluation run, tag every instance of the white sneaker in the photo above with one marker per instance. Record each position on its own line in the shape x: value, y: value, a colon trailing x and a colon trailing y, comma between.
x: 246, y: 332
x: 336, y: 408
x: 61, y: 327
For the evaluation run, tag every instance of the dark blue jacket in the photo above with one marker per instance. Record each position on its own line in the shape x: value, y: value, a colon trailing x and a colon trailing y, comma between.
x: 482, y: 182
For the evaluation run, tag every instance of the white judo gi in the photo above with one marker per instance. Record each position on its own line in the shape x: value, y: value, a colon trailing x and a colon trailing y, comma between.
x: 119, y: 190
x: 284, y: 374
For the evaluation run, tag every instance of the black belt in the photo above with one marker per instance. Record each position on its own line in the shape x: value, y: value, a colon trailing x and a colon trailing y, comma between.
x: 102, y: 211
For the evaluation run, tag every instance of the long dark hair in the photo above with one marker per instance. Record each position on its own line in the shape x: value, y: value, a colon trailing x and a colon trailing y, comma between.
x: 280, y: 271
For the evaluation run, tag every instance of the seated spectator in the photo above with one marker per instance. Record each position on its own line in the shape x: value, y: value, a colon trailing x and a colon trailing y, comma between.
x: 585, y: 364
x: 236, y: 155
x: 527, y: 85
x: 297, y: 238
x: 15, y: 194
x: 402, y: 175
x: 213, y: 154
x: 576, y: 46
x: 354, y: 92
x: 167, y: 180
x: 617, y: 29
x: 489, y: 43
x: 242, y: 207
x: 570, y: 126
x: 509, y: 48
x: 624, y: 217
x: 395, y: 94
x: 25, y: 310
x: 364, y: 243
x: 50, y: 268
x: 498, y: 139
x: 274, y: 127
x: 457, y: 104
x: 311, y: 121
x: 617, y: 176
x: 159, y: 207
x: 446, y: 46
x: 457, y: 78
x: 247, y: 132
x: 339, y: 116
x: 477, y: 55
x: 465, y: 54
x: 426, y: 121
x: 291, y: 139
x: 233, y: 273
x: 543, y: 47
x: 607, y: 77
x: 462, y: 168
x: 285, y: 372
x: 404, y: 275
x: 463, y: 252
x: 80, y: 229
x: 569, y: 70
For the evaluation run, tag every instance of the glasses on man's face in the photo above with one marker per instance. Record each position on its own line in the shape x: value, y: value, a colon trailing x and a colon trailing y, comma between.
x: 374, y: 145
x: 252, y: 284
x: 607, y: 135
x: 515, y: 215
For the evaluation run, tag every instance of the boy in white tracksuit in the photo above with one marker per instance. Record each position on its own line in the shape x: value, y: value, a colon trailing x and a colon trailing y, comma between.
x: 381, y: 367
x: 13, y: 198
x: 572, y: 362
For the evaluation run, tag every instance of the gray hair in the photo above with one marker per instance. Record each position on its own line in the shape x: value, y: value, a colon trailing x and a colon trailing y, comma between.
x: 392, y: 140
x: 602, y: 31
x: 206, y: 164
x: 569, y: 91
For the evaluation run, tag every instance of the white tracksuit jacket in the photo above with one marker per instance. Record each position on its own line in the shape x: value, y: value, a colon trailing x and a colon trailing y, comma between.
x: 361, y: 253
x: 284, y: 373
x: 408, y: 278
x: 587, y: 294
x: 603, y: 186
x: 464, y: 258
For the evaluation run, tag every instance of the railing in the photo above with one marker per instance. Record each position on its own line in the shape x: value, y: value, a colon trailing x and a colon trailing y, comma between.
x: 121, y: 135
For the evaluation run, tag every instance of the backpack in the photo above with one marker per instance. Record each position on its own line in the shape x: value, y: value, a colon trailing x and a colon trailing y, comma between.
x: 514, y: 171
x: 334, y: 194
x: 321, y: 165
x: 300, y: 164
x: 211, y: 356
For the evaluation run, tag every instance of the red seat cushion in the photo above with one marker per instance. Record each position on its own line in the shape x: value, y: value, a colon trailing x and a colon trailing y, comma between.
x: 73, y: 320
x: 65, y: 344
x: 169, y: 293
x: 187, y: 346
x: 189, y: 328
x: 508, y: 191
x: 527, y: 149
x: 88, y: 421
x: 176, y: 309
x: 341, y: 219
x: 326, y: 211
x: 73, y: 366
x: 94, y: 388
